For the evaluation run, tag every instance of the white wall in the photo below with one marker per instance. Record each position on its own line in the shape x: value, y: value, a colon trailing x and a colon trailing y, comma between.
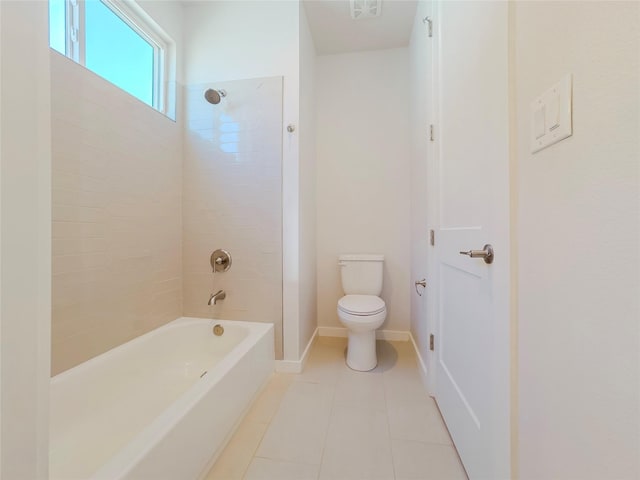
x: 229, y: 40
x: 364, y: 168
x: 25, y: 242
x: 419, y: 77
x: 578, y: 230
x: 308, y: 319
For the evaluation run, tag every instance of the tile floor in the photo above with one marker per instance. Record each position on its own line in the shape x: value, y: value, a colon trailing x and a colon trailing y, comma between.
x: 332, y: 423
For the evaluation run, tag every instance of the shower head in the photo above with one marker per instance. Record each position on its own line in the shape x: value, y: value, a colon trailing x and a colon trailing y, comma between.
x: 214, y: 96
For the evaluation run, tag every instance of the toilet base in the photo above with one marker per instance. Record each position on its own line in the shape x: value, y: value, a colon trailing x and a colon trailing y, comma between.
x: 361, y: 351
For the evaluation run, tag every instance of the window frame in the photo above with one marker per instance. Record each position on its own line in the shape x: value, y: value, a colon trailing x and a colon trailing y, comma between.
x: 134, y: 17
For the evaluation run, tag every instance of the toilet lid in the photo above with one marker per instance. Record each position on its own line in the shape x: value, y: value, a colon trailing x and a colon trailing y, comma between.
x: 361, y: 304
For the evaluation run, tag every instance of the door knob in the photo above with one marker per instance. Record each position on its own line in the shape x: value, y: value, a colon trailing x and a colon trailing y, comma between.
x: 486, y: 253
x: 422, y: 283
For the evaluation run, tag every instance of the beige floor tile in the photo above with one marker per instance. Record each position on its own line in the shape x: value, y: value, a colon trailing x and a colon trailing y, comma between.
x: 329, y: 348
x: 267, y: 469
x: 394, y: 355
x: 236, y: 457
x: 402, y: 386
x: 357, y: 445
x: 405, y: 348
x: 360, y: 389
x: 297, y: 432
x: 267, y: 404
x: 322, y: 373
x: 426, y: 461
x: 337, y: 424
x: 280, y: 381
x: 325, y: 363
x: 413, y: 414
x: 419, y: 421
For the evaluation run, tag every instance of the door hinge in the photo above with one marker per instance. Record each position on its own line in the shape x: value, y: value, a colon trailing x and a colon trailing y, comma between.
x: 432, y: 237
x: 431, y: 135
x: 427, y: 21
x: 432, y: 341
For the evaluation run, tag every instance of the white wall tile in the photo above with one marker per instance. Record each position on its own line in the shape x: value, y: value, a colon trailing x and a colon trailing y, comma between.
x: 117, y: 180
x: 232, y: 200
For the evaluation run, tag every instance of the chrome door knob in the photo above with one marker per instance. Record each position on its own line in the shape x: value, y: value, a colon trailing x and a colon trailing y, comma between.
x: 486, y: 253
x: 420, y: 283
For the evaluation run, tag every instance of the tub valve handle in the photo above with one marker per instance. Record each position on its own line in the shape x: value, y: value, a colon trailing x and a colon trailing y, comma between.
x: 220, y: 260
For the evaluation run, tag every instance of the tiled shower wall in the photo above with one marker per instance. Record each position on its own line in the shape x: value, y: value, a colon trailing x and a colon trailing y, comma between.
x: 232, y: 190
x: 117, y: 180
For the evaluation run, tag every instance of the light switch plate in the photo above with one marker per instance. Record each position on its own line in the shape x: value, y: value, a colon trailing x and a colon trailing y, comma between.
x: 556, y: 103
x: 539, y: 119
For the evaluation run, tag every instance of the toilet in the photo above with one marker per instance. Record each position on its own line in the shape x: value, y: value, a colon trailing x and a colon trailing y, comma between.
x: 361, y: 310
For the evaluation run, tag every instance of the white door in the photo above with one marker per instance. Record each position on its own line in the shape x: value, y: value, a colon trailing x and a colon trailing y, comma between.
x: 472, y: 162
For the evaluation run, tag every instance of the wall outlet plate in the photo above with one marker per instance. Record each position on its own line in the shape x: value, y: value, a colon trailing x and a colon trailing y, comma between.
x: 552, y: 115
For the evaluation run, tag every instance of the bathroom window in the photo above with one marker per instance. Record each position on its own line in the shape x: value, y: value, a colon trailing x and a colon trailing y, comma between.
x: 112, y: 39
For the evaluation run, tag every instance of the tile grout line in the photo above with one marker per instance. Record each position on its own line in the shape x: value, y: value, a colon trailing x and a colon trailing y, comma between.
x: 424, y: 442
x: 253, y: 455
x: 293, y: 381
x: 255, y: 450
x: 386, y: 411
x: 326, y: 432
x: 451, y: 445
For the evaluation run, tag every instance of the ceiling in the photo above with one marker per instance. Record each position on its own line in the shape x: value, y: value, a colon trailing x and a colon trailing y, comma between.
x: 334, y: 31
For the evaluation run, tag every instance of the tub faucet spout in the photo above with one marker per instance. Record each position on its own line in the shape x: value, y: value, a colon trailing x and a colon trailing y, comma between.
x: 219, y: 295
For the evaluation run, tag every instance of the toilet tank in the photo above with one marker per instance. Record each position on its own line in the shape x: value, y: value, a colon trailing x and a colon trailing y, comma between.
x: 361, y: 274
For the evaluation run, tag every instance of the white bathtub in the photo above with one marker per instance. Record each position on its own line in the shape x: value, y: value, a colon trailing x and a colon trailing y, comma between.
x: 147, y: 410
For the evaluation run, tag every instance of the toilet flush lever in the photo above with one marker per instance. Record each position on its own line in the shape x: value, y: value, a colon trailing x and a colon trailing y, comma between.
x: 420, y: 283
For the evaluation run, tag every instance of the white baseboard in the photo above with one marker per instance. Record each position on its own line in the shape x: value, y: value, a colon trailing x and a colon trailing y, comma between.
x: 296, y: 366
x: 391, y: 335
x: 332, y: 332
x: 421, y: 365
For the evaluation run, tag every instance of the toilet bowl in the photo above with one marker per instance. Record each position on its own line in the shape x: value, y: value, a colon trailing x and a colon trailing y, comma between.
x: 362, y: 315
x: 361, y: 310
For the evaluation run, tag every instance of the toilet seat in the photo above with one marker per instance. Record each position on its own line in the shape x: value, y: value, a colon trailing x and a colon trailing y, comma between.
x: 361, y: 305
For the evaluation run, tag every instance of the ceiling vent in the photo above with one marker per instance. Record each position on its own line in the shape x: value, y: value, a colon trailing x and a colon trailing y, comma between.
x: 361, y: 9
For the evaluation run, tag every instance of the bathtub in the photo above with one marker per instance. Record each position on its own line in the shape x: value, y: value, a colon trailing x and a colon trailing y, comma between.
x: 161, y: 406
